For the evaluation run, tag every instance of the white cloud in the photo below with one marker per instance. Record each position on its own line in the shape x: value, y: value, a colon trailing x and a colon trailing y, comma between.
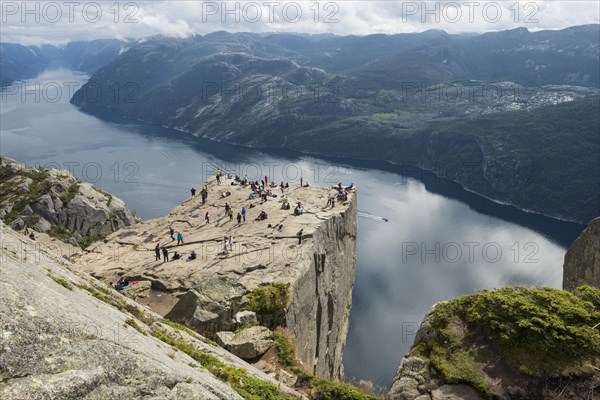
x: 60, y: 21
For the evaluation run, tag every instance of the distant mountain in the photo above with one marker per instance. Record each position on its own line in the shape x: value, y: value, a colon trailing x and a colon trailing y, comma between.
x: 23, y: 62
x: 380, y: 97
x: 19, y: 62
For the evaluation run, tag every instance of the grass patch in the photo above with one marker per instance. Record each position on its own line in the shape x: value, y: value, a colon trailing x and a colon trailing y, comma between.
x: 177, y: 327
x: 320, y: 388
x: 541, y: 333
x: 87, y: 240
x: 107, y: 195
x: 95, y: 293
x: 285, y: 347
x: 268, y: 299
x: 131, y: 322
x: 247, y: 325
x: 248, y: 387
x: 325, y: 390
x: 71, y: 193
x: 60, y: 232
x: 61, y: 281
x: 10, y: 180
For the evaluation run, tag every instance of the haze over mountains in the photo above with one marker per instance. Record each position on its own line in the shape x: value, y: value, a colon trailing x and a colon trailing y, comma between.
x: 387, y: 98
x: 19, y: 62
x: 461, y: 106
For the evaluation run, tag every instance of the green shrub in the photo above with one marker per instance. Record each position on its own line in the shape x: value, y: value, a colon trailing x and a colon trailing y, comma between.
x: 541, y: 332
x: 60, y: 232
x: 268, y: 300
x: 286, y: 349
x: 248, y: 387
x: 325, y: 390
x: 87, y: 240
x: 71, y: 193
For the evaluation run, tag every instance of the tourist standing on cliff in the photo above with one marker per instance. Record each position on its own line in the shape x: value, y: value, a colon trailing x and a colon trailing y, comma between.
x: 193, y: 192
x: 218, y: 175
x: 239, y: 218
x: 230, y: 242
x: 301, y: 181
x: 230, y: 213
x: 165, y: 254
x: 207, y: 217
x: 204, y: 194
x: 172, y: 232
x: 299, y: 234
x: 227, y: 207
x: 157, y: 252
x: 244, y: 213
x: 179, y: 238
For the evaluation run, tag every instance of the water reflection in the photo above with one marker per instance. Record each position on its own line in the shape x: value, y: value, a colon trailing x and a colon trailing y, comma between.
x: 440, y: 241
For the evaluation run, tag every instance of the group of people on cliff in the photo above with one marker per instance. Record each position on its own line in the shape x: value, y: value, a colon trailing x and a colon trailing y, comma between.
x: 260, y: 190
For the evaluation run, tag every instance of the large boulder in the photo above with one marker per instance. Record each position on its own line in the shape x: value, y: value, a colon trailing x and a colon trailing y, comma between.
x: 582, y: 261
x: 209, y: 307
x: 248, y: 343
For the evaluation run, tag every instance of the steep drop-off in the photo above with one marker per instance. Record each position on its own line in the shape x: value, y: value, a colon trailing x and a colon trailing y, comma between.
x: 305, y: 288
x: 582, y: 261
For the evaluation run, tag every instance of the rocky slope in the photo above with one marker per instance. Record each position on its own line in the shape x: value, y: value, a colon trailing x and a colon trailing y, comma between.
x: 582, y: 261
x: 65, y: 335
x: 507, y: 344
x: 55, y: 202
x: 305, y: 288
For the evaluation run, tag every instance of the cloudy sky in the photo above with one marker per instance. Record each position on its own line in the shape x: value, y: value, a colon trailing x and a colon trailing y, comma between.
x: 37, y: 22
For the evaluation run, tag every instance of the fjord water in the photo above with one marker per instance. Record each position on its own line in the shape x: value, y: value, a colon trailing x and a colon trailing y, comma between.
x: 440, y: 241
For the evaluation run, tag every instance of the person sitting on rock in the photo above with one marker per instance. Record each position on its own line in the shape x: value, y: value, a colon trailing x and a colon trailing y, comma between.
x: 176, y: 256
x: 122, y: 284
x: 262, y: 216
x: 285, y: 205
x: 192, y: 256
x: 299, y: 210
x: 31, y: 236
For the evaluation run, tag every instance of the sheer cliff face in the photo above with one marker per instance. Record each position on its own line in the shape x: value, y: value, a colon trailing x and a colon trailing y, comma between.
x: 206, y: 293
x: 582, y: 261
x: 318, y: 315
